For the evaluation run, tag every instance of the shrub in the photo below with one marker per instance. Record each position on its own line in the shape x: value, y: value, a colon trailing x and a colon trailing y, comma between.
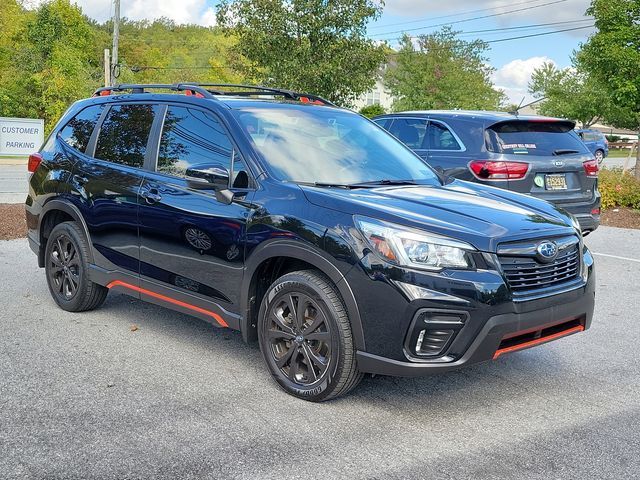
x: 618, y: 189
x: 371, y: 111
x: 613, y: 138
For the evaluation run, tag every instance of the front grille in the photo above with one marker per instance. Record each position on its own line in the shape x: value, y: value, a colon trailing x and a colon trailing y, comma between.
x: 526, y: 274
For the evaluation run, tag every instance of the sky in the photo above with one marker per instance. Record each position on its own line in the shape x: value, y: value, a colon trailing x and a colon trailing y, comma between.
x: 513, y: 60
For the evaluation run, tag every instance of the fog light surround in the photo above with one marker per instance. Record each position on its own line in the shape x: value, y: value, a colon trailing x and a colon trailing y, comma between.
x: 432, y: 332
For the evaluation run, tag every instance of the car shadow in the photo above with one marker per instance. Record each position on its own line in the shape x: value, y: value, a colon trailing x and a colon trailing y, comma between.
x: 466, y: 386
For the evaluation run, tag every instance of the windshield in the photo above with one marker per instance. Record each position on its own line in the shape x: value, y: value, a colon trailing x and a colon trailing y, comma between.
x: 325, y: 145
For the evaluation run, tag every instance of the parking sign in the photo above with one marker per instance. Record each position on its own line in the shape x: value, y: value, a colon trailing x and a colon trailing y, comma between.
x: 20, y: 136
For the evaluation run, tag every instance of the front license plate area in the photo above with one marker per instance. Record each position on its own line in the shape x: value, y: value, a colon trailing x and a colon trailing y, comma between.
x: 555, y: 182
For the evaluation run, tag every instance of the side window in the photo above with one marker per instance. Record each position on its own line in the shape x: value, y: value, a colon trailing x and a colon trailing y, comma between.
x: 441, y: 138
x: 409, y: 131
x: 78, y: 131
x: 241, y: 177
x: 383, y: 122
x: 191, y: 137
x: 124, y: 134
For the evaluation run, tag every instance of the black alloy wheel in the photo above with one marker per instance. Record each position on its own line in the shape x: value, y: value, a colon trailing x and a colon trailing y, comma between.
x: 66, y: 266
x: 299, y: 338
x: 305, y: 337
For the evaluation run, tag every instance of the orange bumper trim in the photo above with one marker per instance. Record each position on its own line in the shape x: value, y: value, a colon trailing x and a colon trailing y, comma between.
x: 538, y: 341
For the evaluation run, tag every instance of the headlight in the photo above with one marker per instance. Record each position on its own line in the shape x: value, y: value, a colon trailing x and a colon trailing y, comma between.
x: 413, y: 248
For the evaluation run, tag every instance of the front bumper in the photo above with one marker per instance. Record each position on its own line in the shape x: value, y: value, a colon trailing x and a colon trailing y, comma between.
x: 490, y: 330
x: 488, y: 341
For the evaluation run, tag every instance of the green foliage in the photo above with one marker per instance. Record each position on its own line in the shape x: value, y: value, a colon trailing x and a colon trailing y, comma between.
x: 570, y: 93
x: 311, y: 46
x: 163, y: 52
x: 612, y: 54
x: 618, y: 189
x: 371, y: 111
x: 613, y: 138
x: 443, y: 72
x: 52, y: 56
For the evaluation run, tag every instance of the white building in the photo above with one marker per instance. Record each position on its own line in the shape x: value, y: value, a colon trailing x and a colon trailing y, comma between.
x: 377, y: 95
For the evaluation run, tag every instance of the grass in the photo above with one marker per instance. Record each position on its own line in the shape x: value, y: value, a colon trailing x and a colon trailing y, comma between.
x: 620, y: 153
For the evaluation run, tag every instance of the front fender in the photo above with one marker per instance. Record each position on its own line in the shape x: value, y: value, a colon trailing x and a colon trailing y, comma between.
x: 304, y: 252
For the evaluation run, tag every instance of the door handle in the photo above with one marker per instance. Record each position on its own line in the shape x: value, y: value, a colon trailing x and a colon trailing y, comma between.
x: 151, y: 196
x: 80, y: 180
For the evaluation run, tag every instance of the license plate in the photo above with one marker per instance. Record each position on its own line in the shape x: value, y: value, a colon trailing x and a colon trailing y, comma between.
x: 555, y: 182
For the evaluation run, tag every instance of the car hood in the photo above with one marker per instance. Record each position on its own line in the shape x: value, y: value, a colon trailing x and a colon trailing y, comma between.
x: 477, y: 214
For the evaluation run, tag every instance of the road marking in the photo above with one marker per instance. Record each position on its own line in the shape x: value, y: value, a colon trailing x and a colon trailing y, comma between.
x: 616, y: 256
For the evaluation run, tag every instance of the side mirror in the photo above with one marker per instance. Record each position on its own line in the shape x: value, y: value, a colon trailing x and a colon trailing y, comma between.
x: 208, y: 176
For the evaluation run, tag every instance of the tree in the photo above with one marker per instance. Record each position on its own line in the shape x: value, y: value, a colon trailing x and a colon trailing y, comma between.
x: 313, y: 46
x: 612, y: 55
x: 53, y: 62
x: 371, y: 111
x: 442, y: 72
x: 570, y: 93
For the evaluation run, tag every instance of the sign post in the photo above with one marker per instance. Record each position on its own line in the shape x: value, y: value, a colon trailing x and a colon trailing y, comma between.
x: 20, y: 136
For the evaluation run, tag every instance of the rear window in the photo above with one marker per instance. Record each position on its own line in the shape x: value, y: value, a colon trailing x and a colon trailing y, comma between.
x: 534, y: 138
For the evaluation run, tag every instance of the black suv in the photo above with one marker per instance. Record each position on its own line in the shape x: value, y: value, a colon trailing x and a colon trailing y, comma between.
x: 306, y: 227
x: 539, y: 156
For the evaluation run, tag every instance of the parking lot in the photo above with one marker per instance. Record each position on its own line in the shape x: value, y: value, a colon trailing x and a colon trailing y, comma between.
x: 90, y: 396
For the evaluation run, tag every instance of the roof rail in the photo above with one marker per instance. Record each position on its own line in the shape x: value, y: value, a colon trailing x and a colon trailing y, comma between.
x: 251, y: 90
x: 211, y: 90
x: 142, y: 88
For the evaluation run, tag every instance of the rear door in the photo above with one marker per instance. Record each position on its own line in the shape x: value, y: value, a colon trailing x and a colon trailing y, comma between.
x: 410, y: 131
x: 106, y: 187
x: 447, y: 153
x: 555, y: 156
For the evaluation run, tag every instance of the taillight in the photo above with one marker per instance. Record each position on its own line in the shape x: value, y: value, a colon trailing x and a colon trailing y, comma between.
x: 591, y: 168
x: 488, y: 170
x: 34, y: 162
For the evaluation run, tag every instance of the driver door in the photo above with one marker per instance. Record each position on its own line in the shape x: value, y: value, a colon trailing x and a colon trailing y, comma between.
x: 192, y: 244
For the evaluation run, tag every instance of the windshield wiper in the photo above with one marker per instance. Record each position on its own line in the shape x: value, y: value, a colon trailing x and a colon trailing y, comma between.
x: 564, y: 151
x: 370, y: 184
x: 385, y: 181
x: 333, y: 185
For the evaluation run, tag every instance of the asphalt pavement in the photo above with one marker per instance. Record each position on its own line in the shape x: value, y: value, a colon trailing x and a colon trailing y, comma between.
x: 133, y: 390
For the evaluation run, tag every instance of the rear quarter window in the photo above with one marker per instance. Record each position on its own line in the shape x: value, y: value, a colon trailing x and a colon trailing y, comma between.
x: 77, y: 132
x: 534, y: 138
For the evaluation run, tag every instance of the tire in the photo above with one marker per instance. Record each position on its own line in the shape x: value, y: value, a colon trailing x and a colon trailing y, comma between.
x: 599, y: 156
x: 66, y: 267
x: 320, y: 336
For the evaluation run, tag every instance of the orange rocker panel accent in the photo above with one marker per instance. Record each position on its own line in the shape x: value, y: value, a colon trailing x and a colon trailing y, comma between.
x: 218, y: 318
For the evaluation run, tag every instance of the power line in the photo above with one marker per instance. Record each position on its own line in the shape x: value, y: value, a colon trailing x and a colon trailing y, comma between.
x: 470, y: 19
x: 507, y: 4
x: 511, y: 38
x: 541, y: 34
x: 519, y: 27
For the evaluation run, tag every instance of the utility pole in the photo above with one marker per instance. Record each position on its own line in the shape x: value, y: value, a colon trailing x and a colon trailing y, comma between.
x: 116, y: 40
x: 107, y: 68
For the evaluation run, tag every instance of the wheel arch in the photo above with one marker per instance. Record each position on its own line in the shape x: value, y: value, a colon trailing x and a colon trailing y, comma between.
x: 278, y: 258
x: 54, y: 212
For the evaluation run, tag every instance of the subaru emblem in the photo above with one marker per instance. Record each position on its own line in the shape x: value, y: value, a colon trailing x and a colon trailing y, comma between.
x: 547, y: 251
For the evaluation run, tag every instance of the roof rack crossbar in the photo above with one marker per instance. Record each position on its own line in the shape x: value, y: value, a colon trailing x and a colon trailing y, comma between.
x: 142, y: 88
x: 260, y: 90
